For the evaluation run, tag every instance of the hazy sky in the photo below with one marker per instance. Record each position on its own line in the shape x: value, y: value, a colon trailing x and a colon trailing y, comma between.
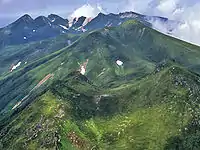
x: 186, y: 11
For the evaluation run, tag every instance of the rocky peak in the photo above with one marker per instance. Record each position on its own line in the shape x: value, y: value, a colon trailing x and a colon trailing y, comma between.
x: 42, y: 21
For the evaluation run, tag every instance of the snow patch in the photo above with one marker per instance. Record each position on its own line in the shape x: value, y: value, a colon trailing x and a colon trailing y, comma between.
x: 119, y: 63
x: 70, y: 24
x: 64, y: 27
x: 15, y: 66
x: 83, y: 67
x: 19, y: 103
x: 83, y: 70
x: 53, y: 20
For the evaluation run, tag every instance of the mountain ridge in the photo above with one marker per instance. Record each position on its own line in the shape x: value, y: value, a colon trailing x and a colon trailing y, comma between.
x: 27, y: 29
x: 81, y: 97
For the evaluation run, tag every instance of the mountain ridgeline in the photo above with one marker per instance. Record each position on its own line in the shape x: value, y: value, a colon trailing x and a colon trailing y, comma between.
x: 27, y: 29
x: 120, y: 86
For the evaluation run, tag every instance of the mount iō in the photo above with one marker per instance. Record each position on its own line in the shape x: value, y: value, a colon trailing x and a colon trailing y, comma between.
x: 27, y: 29
x: 119, y: 87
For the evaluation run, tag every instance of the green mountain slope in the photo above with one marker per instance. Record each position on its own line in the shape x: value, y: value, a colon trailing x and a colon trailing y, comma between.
x: 75, y: 114
x: 149, y: 102
x: 27, y: 53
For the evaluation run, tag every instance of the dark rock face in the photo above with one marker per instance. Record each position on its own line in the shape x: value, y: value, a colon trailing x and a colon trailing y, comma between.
x: 57, y: 20
x: 42, y: 21
x: 79, y: 22
x: 26, y: 29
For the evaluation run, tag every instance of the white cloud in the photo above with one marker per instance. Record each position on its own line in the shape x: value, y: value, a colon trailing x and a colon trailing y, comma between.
x: 190, y: 29
x: 167, y: 7
x: 87, y: 10
x: 140, y: 6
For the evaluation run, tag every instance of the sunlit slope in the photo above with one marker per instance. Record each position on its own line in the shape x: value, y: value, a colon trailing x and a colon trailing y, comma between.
x: 86, y: 79
x: 76, y: 114
x: 137, y: 46
x: 27, y: 53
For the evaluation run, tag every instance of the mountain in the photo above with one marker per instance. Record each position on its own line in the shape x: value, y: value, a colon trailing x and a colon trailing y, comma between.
x: 23, y: 22
x: 29, y: 32
x: 57, y: 20
x: 123, y: 87
x: 114, y: 20
x: 78, y: 23
x: 26, y: 29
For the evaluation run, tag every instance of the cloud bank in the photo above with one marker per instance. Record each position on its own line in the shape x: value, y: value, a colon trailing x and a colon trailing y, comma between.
x: 184, y: 11
x: 87, y: 10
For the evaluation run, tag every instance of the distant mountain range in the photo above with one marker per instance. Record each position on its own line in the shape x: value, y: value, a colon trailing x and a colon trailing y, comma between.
x: 27, y: 29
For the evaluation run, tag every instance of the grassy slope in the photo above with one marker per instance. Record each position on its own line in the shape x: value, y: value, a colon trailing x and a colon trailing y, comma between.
x: 130, y: 116
x: 139, y: 47
x: 133, y: 93
x: 29, y: 52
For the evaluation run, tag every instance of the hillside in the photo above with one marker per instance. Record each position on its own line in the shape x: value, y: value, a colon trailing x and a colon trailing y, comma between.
x: 144, y: 114
x: 126, y: 87
x: 27, y: 53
